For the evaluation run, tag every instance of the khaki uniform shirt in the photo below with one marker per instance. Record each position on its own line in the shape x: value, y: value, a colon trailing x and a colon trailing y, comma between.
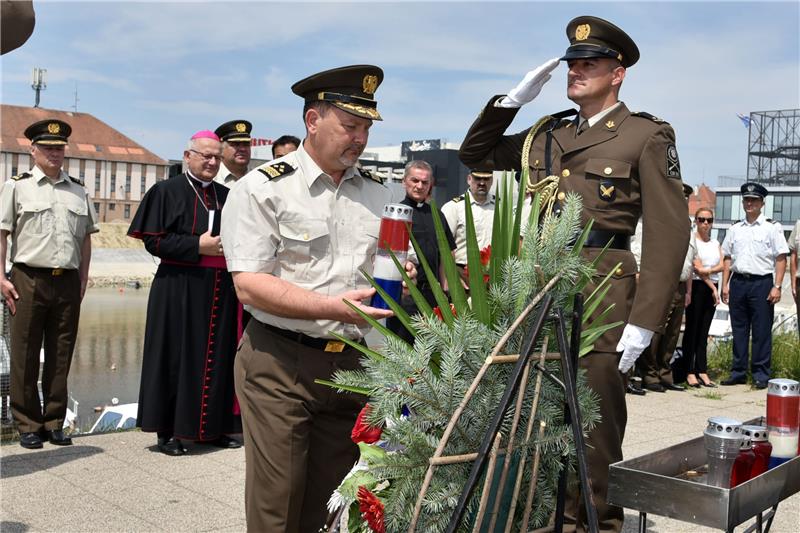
x: 288, y: 218
x: 47, y: 221
x: 624, y: 167
x: 456, y: 216
x: 225, y: 176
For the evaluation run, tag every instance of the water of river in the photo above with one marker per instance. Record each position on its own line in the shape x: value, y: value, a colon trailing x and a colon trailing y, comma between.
x: 108, y: 352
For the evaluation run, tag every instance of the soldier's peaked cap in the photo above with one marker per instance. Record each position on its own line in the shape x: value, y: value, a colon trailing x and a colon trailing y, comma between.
x: 595, y: 37
x: 234, y: 131
x: 753, y: 190
x: 51, y: 132
x: 351, y: 89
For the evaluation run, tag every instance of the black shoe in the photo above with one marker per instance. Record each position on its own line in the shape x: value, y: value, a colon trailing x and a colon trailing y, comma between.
x: 733, y: 381
x: 655, y: 387
x: 760, y: 385
x: 30, y: 440
x: 171, y: 446
x: 709, y: 384
x: 58, y: 438
x: 225, y: 442
x: 672, y: 386
x: 633, y: 389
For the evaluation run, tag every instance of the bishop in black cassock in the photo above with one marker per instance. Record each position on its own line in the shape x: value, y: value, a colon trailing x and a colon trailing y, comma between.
x: 187, y: 389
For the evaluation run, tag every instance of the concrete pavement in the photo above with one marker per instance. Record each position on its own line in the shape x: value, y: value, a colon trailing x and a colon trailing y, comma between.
x: 118, y: 482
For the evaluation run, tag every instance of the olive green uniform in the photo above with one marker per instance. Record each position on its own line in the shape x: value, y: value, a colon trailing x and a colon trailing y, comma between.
x: 48, y: 222
x: 623, y: 167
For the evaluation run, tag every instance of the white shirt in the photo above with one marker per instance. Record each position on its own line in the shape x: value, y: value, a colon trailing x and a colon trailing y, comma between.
x: 456, y: 216
x: 794, y: 241
x: 708, y: 253
x: 594, y: 119
x: 303, y: 228
x: 753, y: 248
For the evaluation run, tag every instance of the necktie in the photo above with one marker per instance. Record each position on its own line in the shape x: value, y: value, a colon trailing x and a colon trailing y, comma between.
x: 583, y: 127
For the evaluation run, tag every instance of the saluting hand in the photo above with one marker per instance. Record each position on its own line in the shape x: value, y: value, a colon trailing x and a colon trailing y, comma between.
x: 10, y: 295
x: 210, y: 245
x: 530, y: 86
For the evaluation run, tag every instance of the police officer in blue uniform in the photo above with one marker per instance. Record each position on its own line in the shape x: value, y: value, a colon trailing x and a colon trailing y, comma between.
x: 754, y: 250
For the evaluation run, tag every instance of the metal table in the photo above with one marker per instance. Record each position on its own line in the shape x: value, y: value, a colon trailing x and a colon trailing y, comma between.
x: 662, y: 483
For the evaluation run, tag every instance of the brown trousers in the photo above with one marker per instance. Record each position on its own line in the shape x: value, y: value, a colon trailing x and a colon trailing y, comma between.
x: 296, y: 432
x: 604, y: 442
x: 48, y: 310
x: 653, y: 365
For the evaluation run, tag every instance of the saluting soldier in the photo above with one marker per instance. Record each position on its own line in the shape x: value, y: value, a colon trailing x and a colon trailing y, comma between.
x: 50, y: 219
x: 236, y: 151
x: 757, y: 248
x: 482, y: 203
x: 624, y: 165
x: 297, y: 232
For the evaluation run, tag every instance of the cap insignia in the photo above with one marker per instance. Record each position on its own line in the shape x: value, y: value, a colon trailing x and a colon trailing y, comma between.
x: 610, y: 124
x: 582, y: 32
x: 370, y: 83
x: 750, y: 188
x: 241, y: 127
x: 54, y: 127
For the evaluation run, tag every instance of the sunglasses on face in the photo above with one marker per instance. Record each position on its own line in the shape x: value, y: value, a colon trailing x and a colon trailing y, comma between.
x: 702, y: 220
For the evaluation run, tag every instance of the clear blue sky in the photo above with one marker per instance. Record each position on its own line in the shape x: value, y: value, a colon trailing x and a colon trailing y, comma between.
x: 159, y: 71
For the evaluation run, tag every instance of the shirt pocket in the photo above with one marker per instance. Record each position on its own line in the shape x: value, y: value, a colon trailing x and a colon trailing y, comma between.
x: 37, y: 218
x: 304, y: 243
x: 76, y: 218
x: 615, y: 169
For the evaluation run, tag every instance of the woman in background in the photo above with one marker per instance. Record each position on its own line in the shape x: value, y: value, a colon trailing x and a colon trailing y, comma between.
x: 705, y: 297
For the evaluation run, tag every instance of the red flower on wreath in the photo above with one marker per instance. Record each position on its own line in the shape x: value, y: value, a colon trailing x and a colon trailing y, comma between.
x: 362, y: 432
x: 371, y: 508
x: 438, y: 312
x: 486, y: 256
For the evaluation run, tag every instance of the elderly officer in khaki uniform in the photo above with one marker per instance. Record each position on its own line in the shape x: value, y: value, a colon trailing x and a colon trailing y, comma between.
x: 482, y: 203
x: 296, y: 232
x: 624, y: 165
x: 235, y: 137
x: 50, y: 219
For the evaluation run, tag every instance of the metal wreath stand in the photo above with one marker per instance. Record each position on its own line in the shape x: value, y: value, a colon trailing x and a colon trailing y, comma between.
x: 490, y: 445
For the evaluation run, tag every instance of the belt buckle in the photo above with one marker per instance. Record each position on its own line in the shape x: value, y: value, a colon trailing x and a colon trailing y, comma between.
x: 57, y: 272
x: 334, y: 346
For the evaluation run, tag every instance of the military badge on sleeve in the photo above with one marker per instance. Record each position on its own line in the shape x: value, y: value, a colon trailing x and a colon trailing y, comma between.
x: 673, y: 165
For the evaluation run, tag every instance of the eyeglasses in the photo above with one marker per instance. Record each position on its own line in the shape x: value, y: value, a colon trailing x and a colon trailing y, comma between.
x: 702, y: 220
x: 207, y: 157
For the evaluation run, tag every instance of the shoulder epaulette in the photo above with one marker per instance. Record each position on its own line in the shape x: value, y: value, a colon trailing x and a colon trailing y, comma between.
x: 564, y: 114
x: 735, y: 222
x: 648, y: 116
x: 458, y: 198
x: 370, y: 176
x: 21, y: 176
x: 772, y: 221
x: 76, y: 180
x: 276, y: 170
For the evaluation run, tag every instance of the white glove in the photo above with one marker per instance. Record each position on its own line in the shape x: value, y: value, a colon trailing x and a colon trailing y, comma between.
x: 633, y: 342
x: 530, y: 86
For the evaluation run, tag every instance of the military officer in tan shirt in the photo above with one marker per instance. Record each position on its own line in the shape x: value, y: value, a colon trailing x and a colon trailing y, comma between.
x: 236, y: 151
x: 296, y: 232
x: 624, y: 165
x: 50, y: 219
x: 482, y: 204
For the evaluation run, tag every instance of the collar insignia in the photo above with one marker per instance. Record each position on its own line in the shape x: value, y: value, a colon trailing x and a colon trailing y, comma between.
x: 610, y: 124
